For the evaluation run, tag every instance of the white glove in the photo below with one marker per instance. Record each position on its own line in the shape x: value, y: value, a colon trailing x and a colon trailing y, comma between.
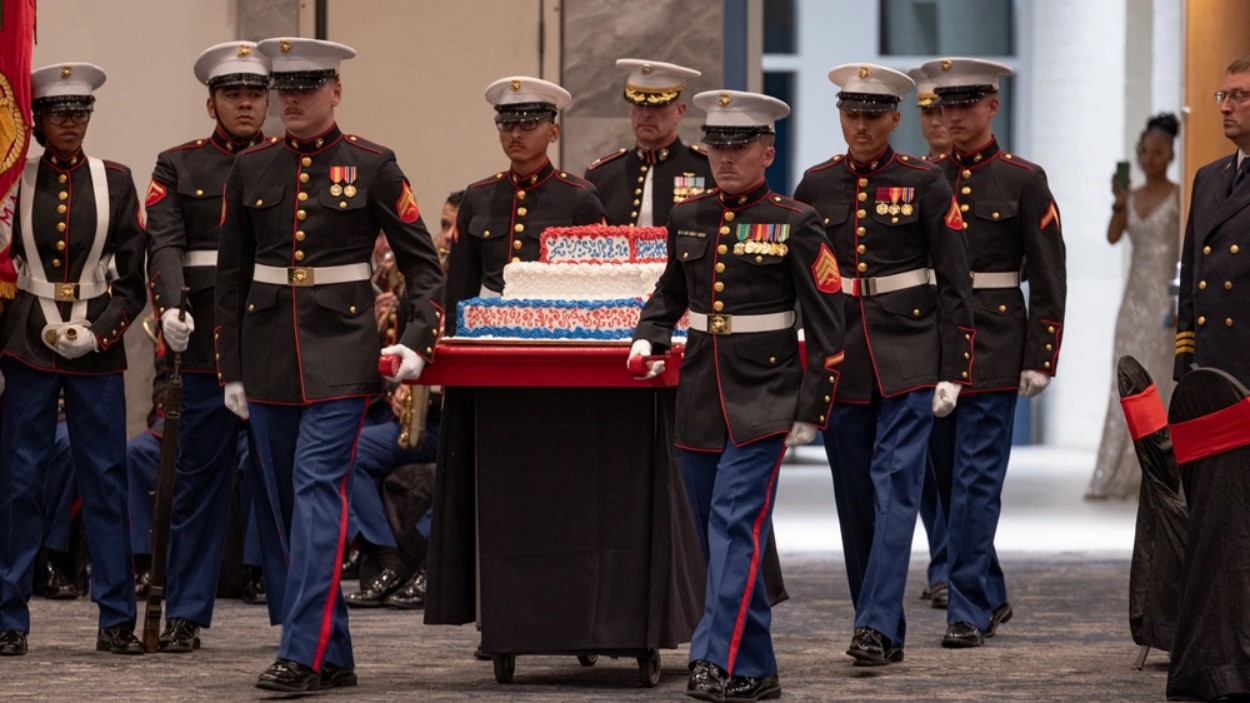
x: 411, y: 367
x: 76, y: 340
x: 177, y: 332
x: 801, y: 433
x: 236, y: 399
x: 1032, y: 383
x: 638, y: 351
x: 945, y: 395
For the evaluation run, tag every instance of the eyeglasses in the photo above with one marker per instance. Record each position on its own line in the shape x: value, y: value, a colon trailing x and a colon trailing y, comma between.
x: 526, y: 125
x: 1237, y: 97
x: 77, y: 117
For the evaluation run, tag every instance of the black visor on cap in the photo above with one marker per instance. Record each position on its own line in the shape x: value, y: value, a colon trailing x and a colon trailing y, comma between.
x: 515, y: 112
x: 63, y: 103
x: 230, y: 80
x: 866, y: 102
x: 963, y: 94
x: 302, y: 80
x: 728, y: 136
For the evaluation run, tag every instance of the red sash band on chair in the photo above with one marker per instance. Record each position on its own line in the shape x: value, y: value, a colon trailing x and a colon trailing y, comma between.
x: 1219, y: 432
x: 1144, y: 412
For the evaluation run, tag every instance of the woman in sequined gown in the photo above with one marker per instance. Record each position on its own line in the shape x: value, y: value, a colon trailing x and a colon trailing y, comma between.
x: 1150, y: 215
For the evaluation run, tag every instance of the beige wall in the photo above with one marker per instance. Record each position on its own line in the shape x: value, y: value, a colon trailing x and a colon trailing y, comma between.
x: 417, y: 82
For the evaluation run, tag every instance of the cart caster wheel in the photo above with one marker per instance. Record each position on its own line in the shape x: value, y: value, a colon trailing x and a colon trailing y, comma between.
x: 649, y: 668
x: 587, y: 659
x: 505, y: 667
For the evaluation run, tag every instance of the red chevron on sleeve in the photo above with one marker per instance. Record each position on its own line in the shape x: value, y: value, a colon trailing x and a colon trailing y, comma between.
x: 954, y: 219
x: 825, y: 271
x: 406, y: 206
x: 156, y: 193
x: 1051, y: 217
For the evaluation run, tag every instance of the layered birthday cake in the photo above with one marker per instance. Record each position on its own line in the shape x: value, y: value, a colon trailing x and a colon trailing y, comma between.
x: 589, y: 285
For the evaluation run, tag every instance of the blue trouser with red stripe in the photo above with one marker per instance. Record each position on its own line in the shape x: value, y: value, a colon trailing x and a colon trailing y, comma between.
x: 731, y: 495
x: 207, y: 463
x: 95, y: 413
x: 306, y: 453
x: 970, y: 449
x: 877, y: 454
x: 59, y: 493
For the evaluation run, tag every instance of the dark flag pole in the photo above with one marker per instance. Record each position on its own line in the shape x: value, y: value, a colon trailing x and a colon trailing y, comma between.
x: 164, y: 495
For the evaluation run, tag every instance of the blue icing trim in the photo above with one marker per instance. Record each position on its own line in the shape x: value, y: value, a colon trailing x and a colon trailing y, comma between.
x: 652, y: 249
x: 598, y: 334
x: 573, y: 249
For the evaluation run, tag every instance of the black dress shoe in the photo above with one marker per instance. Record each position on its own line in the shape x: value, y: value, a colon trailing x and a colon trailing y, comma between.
x: 142, y: 579
x: 336, y: 676
x: 373, y: 594
x: 1000, y: 615
x: 743, y: 689
x: 707, y: 681
x: 118, y: 639
x: 253, y: 586
x: 289, y: 677
x: 12, y: 643
x: 871, y: 648
x: 939, y: 596
x: 56, y: 585
x: 411, y: 595
x: 961, y: 635
x: 180, y: 636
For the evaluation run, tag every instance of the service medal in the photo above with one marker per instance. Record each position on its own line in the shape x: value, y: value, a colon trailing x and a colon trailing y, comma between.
x: 882, y: 208
x: 336, y: 190
x: 349, y: 190
x: 906, y: 209
x: 895, y: 209
x: 739, y: 249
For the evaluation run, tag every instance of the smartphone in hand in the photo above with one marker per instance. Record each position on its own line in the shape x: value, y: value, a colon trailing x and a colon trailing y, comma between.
x: 1121, y: 174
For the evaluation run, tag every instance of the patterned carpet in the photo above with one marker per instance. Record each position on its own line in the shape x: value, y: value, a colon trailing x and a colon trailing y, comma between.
x: 1068, y: 641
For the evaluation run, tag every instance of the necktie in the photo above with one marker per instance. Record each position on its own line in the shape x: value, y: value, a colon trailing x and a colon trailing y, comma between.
x: 1241, y: 175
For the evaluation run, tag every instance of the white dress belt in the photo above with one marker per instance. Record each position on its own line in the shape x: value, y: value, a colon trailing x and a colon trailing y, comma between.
x: 307, y: 276
x: 995, y: 279
x: 199, y: 257
x: 60, y: 292
x: 878, y: 285
x: 738, y: 324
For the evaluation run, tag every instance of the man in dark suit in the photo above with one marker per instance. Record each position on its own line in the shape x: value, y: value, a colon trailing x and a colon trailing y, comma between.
x: 639, y: 186
x: 299, y: 342
x: 741, y: 259
x: 1011, y: 223
x: 184, y: 221
x: 890, y: 218
x: 1211, y: 325
x: 62, y: 334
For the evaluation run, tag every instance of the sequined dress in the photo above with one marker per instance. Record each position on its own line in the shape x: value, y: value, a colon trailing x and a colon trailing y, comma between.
x: 1143, y: 329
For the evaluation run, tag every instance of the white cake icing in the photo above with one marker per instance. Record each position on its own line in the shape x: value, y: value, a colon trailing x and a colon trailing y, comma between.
x: 535, y: 280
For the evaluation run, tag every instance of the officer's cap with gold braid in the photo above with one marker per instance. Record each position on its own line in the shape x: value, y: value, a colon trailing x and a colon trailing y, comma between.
x: 65, y: 87
x: 868, y: 87
x: 304, y: 64
x: 654, y: 83
x: 735, y: 117
x: 925, y: 97
x: 524, y: 97
x: 963, y: 81
x: 231, y: 64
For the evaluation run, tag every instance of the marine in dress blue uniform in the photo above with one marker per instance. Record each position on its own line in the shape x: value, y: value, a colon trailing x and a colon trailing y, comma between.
x: 298, y: 340
x: 62, y: 334
x: 640, y: 185
x: 892, y: 221
x: 500, y: 220
x: 1012, y: 226
x: 184, y: 221
x: 741, y: 259
x: 1211, y: 329
x: 932, y: 510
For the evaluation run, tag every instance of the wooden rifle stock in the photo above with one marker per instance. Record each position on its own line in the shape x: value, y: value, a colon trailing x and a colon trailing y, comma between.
x: 165, y: 477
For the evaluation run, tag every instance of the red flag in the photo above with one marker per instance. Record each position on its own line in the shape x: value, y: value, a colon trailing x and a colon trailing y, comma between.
x: 17, y: 35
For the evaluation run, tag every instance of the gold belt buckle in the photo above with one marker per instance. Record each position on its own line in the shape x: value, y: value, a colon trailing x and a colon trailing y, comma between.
x: 720, y: 324
x: 65, y: 292
x: 299, y: 276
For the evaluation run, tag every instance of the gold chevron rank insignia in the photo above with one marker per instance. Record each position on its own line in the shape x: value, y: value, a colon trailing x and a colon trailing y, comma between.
x: 825, y: 271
